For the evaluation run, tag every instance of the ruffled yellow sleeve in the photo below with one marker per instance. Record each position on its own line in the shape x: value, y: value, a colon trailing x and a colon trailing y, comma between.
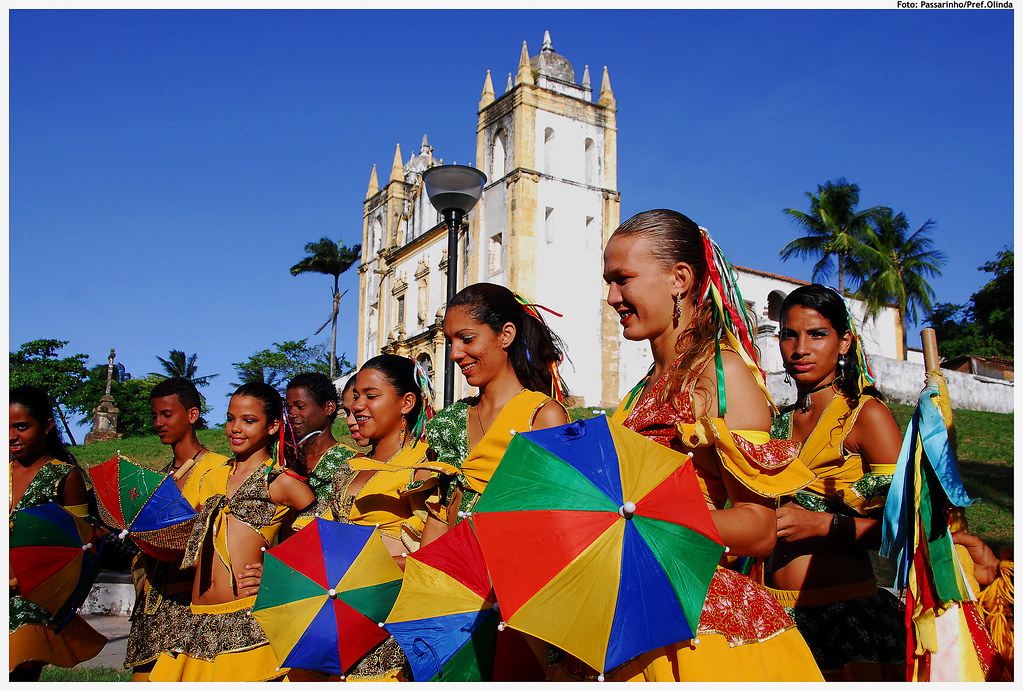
x: 768, y: 467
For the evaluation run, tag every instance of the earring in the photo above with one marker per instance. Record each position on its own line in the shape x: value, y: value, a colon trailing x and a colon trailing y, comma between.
x: 403, y: 430
x: 678, y: 306
x: 788, y: 379
x: 840, y: 375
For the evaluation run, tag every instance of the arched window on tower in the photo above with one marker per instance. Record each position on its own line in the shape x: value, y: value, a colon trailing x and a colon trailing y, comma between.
x: 498, y: 163
x: 590, y: 153
x: 375, y: 238
x: 548, y: 150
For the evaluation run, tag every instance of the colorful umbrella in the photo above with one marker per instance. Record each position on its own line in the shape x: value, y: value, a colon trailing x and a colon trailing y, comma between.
x: 447, y: 621
x: 54, y: 556
x: 323, y: 595
x: 946, y: 636
x: 145, y: 504
x: 598, y: 541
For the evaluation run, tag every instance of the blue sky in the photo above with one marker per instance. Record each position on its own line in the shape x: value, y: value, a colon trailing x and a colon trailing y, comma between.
x: 167, y: 168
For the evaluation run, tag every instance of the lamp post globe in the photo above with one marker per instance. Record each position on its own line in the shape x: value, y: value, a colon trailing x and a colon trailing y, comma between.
x: 454, y: 191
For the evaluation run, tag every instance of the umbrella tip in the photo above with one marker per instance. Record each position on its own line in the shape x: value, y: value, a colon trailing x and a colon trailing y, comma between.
x: 380, y: 624
x: 726, y: 549
x: 87, y: 546
x: 332, y: 592
x: 123, y: 534
x: 600, y: 677
x: 404, y: 555
x: 696, y: 641
x: 262, y: 549
x: 627, y: 509
x: 512, y: 432
x: 500, y: 627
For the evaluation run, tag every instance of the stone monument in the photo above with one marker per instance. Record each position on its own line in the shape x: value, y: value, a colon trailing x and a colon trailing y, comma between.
x: 104, y: 416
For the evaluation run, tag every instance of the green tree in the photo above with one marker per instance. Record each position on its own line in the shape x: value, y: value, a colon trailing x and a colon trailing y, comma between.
x: 895, y: 265
x: 277, y: 365
x: 332, y: 259
x: 984, y: 326
x: 184, y: 366
x: 36, y: 363
x: 833, y: 229
x: 131, y: 396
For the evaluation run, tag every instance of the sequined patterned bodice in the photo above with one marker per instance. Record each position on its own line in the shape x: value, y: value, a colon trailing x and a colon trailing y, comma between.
x: 44, y: 486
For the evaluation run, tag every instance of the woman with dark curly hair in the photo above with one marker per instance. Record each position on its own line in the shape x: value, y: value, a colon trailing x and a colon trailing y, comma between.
x: 504, y: 349
x: 820, y: 569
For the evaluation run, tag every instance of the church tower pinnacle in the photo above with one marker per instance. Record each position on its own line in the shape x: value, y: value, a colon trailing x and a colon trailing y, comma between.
x: 374, y: 186
x: 525, y: 74
x: 397, y: 170
x: 488, y: 93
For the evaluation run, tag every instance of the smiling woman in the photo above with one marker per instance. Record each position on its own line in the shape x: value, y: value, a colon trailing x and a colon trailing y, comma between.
x: 505, y: 350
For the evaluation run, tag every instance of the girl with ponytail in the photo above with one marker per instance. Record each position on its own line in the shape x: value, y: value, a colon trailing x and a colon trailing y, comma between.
x: 705, y: 397
x: 504, y: 348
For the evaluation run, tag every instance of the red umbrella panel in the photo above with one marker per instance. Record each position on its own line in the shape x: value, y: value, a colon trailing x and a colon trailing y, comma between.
x: 144, y: 504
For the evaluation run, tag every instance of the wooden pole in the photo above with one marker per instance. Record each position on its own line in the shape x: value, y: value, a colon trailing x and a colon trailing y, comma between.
x: 930, y: 343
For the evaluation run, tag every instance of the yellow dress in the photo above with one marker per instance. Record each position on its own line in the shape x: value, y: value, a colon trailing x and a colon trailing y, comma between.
x: 459, y: 467
x: 225, y: 643
x: 856, y: 630
x: 743, y: 634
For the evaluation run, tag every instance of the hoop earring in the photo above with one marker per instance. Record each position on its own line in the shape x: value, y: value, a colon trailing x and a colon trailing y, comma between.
x: 677, y: 314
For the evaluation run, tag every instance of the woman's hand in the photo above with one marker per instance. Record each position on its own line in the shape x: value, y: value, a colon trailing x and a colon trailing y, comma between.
x: 985, y: 563
x: 248, y: 580
x: 797, y: 523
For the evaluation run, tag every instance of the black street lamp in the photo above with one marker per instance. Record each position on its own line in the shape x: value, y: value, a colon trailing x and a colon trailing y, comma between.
x: 453, y: 191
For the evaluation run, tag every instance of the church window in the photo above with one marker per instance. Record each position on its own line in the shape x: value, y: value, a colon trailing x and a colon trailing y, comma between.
x: 548, y: 150
x: 495, y: 255
x: 548, y: 224
x: 590, y: 152
x: 401, y: 311
x: 498, y: 163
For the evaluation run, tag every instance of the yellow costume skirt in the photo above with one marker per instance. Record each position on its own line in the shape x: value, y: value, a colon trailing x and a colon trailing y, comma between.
x: 225, y: 644
x: 76, y: 643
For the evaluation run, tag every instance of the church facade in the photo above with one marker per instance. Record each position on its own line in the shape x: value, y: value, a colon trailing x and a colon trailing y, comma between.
x: 549, y: 151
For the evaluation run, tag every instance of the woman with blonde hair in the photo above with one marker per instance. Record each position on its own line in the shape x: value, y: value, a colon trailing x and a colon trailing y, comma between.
x: 705, y: 397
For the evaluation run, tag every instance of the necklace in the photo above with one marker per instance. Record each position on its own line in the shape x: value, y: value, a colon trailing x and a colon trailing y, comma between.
x: 808, y: 398
x: 181, y: 470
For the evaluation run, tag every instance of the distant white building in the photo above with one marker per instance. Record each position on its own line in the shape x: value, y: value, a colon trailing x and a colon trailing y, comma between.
x: 548, y: 207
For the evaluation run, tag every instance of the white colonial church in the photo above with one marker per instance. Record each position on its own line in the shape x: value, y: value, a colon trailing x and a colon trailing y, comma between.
x: 550, y: 203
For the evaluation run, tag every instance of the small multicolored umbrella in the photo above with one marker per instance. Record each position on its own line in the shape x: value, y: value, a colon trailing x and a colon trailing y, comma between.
x: 323, y: 595
x: 53, y: 554
x: 598, y: 541
x: 144, y: 504
x: 447, y: 621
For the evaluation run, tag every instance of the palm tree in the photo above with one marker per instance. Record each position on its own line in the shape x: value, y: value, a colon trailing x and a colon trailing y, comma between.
x: 895, y: 265
x: 332, y: 259
x: 833, y: 228
x: 181, y: 365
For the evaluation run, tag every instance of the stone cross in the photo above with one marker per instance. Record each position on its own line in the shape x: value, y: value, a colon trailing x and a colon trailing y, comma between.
x: 110, y: 371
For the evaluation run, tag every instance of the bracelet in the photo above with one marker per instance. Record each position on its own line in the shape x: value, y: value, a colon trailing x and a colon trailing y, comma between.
x: 834, y: 525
